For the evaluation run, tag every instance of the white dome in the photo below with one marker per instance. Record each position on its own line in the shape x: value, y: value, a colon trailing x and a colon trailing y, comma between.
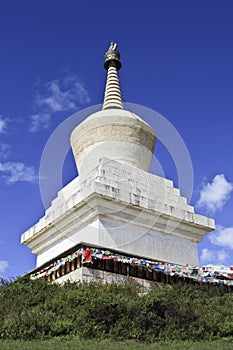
x: 115, y: 134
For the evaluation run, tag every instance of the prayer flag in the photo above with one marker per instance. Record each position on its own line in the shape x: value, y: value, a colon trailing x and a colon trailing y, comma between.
x: 87, y: 255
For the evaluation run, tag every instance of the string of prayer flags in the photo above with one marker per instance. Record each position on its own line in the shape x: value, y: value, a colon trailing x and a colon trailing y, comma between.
x: 210, y: 274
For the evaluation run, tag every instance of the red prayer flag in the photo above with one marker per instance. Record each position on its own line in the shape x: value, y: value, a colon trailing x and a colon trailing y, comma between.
x: 87, y: 255
x: 107, y: 257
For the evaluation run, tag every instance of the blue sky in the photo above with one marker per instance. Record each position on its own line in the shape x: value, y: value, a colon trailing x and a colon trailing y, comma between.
x: 177, y: 59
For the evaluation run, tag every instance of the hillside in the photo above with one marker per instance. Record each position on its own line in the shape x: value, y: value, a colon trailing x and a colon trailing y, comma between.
x: 36, y: 310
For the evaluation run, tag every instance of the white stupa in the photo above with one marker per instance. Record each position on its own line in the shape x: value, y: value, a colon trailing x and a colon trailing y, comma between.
x: 115, y: 203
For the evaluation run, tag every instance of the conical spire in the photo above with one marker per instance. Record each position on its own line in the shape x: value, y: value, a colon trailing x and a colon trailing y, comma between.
x: 112, y: 96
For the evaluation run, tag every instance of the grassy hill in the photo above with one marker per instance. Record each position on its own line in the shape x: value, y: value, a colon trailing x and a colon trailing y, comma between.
x: 37, y: 310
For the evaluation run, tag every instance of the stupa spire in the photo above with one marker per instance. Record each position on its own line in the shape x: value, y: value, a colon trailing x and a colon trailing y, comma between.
x: 112, y: 96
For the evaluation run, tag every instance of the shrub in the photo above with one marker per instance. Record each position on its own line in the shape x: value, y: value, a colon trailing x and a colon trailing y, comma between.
x: 34, y: 309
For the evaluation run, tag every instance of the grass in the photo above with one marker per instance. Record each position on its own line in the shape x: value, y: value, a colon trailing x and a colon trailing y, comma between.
x: 73, y: 343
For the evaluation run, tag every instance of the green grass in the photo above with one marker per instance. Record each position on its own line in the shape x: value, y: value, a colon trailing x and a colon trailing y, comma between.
x: 73, y: 343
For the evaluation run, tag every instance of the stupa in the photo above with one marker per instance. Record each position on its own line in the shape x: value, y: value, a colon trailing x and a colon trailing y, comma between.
x: 115, y: 207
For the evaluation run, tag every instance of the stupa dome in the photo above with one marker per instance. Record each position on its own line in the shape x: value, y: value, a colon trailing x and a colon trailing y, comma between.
x: 113, y: 132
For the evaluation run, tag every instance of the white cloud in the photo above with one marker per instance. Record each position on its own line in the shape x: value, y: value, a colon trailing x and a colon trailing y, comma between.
x: 39, y: 121
x: 213, y: 257
x: 78, y: 91
x: 3, y: 266
x: 63, y: 95
x: 12, y: 172
x: 3, y: 123
x: 207, y: 256
x: 222, y: 237
x: 214, y: 195
x: 222, y: 255
x: 4, y: 150
x: 60, y: 96
x: 56, y: 99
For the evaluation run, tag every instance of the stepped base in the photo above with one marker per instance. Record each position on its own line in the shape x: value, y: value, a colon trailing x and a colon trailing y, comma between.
x: 124, y: 208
